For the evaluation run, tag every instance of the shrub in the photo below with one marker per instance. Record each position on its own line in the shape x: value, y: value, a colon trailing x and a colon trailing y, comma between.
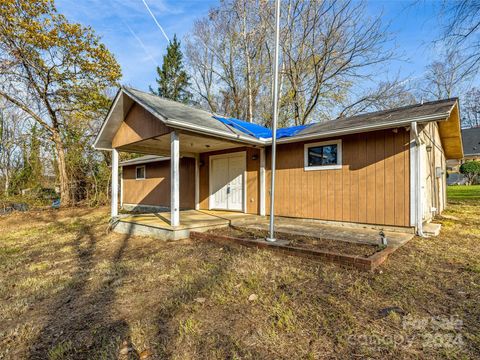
x: 471, y: 170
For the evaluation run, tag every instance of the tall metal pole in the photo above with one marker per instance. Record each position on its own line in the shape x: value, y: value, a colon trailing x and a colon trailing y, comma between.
x: 274, y: 121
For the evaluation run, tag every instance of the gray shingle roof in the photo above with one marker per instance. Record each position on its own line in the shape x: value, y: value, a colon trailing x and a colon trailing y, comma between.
x: 386, y: 117
x: 185, y: 117
x: 471, y: 141
x: 172, y: 110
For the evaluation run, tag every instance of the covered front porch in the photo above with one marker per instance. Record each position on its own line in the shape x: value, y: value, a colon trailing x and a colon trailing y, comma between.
x: 225, y: 177
x: 224, y: 158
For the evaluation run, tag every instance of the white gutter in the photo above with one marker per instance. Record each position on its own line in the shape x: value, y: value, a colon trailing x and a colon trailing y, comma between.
x: 354, y: 130
x: 366, y: 128
x: 418, y: 180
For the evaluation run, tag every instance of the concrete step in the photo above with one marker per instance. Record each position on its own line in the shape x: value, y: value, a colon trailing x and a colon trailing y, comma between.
x: 431, y: 229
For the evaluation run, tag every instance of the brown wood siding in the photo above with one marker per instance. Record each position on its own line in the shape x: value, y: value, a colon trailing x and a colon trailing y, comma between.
x: 252, y: 181
x: 373, y: 185
x: 139, y: 124
x: 155, y: 189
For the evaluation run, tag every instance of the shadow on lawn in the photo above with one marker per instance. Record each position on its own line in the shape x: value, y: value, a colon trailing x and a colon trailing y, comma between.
x: 78, y: 318
x: 217, y: 338
x: 79, y: 321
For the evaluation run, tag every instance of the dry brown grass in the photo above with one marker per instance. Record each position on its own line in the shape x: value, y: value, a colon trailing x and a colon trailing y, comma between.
x: 70, y: 290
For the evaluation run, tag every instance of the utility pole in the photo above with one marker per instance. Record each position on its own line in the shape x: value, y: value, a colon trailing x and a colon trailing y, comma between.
x: 274, y: 122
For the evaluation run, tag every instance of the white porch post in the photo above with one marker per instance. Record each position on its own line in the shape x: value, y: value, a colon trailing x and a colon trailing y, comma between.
x: 262, y: 182
x: 114, y: 210
x: 197, y: 181
x: 121, y: 188
x: 174, y: 179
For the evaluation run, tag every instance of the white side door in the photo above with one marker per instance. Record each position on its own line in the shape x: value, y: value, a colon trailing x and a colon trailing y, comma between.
x: 219, y: 181
x: 236, y: 169
x: 227, y: 182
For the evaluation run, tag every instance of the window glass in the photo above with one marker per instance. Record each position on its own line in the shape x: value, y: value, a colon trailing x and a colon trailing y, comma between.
x: 141, y: 172
x: 322, y: 155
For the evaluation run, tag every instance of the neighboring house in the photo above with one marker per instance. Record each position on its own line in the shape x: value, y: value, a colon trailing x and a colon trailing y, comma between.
x: 384, y: 168
x: 471, y: 151
x: 471, y: 144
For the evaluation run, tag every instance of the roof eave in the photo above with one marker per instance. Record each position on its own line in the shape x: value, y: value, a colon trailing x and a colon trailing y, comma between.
x: 366, y: 128
x: 105, y: 121
x: 449, y: 130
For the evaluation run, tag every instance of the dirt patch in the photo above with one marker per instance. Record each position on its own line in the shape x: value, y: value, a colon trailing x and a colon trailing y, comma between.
x: 304, y: 242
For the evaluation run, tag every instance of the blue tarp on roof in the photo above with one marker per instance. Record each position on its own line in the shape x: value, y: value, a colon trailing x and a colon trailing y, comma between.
x: 290, y: 131
x: 259, y: 131
x: 252, y: 129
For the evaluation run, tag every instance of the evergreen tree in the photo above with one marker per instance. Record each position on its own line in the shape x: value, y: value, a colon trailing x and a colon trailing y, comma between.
x: 173, y: 81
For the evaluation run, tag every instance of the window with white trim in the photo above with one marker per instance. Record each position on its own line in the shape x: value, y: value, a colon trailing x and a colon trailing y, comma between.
x: 140, y: 172
x: 323, y: 155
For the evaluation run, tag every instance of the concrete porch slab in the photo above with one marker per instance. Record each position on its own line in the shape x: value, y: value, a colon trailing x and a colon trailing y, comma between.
x: 157, y: 225
x: 314, y: 229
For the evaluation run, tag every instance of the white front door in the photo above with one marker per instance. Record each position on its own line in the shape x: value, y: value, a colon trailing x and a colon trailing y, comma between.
x: 227, y: 181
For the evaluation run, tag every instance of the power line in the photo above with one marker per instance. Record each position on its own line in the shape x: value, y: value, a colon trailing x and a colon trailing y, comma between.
x: 156, y: 22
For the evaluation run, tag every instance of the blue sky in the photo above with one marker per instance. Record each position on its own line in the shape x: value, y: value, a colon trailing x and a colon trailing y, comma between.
x: 131, y: 34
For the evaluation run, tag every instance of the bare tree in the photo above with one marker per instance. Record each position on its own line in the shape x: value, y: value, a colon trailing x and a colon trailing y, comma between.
x: 10, y: 140
x: 201, y: 60
x: 462, y: 30
x: 326, y: 47
x: 387, y: 95
x: 471, y: 108
x: 333, y: 45
x: 445, y: 78
x: 226, y: 58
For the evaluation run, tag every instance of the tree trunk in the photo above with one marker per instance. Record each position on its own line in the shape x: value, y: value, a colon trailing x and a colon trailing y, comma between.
x: 62, y: 171
x: 249, y: 91
x: 7, y: 182
x: 249, y: 68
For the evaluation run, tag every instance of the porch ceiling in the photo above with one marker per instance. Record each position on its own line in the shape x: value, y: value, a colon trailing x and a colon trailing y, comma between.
x: 189, y: 144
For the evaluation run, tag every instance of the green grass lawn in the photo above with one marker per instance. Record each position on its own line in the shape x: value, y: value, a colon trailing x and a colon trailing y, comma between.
x: 462, y: 192
x: 69, y: 289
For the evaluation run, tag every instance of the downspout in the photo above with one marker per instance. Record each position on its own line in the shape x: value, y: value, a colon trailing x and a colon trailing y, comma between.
x: 418, y: 182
